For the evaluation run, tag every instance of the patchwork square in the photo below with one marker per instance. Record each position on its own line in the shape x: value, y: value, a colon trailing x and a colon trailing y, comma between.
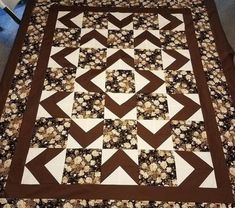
x: 60, y: 79
x: 148, y: 59
x: 82, y: 166
x: 91, y: 58
x: 50, y: 133
x: 95, y: 20
x: 180, y: 82
x: 173, y: 39
x: 145, y: 21
x: 120, y: 134
x: 189, y: 136
x: 120, y: 81
x: 66, y: 37
x: 152, y: 106
x: 88, y: 105
x: 157, y: 168
x: 120, y: 39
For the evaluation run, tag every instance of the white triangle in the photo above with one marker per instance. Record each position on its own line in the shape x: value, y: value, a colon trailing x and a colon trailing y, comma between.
x: 181, y: 27
x: 79, y: 88
x: 120, y: 64
x: 53, y: 64
x: 146, y: 44
x: 161, y: 89
x: 97, y: 144
x: 109, y: 115
x: 87, y: 124
x: 197, y: 116
x: 62, y: 13
x: 119, y: 177
x: 142, y: 144
x: 56, y: 166
x: 167, y: 145
x: 179, y: 16
x: 46, y: 94
x: 120, y: 15
x: 132, y: 114
x: 183, y: 168
x: 210, y: 181
x: 140, y: 81
x: 106, y: 154
x: 42, y: 112
x: 121, y: 98
x: 99, y: 80
x: 111, y: 26
x: 133, y: 154
x: 72, y: 143
x: 205, y: 156
x: 78, y: 20
x: 93, y: 43
x: 153, y: 125
x: 28, y: 177
x: 32, y: 153
x: 73, y: 57
x: 173, y: 106
x: 162, y: 21
x: 167, y: 60
x: 194, y: 97
x: 159, y: 73
x: 66, y: 104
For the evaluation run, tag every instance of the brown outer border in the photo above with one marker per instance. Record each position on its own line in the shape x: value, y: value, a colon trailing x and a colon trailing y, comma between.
x: 221, y: 194
x: 226, y: 52
x: 14, y: 55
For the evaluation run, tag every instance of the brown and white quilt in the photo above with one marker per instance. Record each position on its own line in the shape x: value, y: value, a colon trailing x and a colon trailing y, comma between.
x: 118, y: 104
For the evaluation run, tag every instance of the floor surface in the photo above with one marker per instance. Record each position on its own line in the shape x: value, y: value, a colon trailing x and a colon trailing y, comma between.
x: 7, y: 35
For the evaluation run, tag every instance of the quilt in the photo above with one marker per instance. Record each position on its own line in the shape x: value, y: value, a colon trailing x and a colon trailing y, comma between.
x: 118, y: 104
